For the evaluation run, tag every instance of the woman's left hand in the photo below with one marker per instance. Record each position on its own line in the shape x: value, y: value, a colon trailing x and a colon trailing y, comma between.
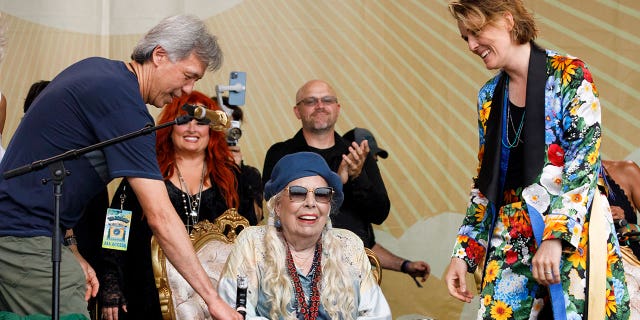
x: 546, y: 262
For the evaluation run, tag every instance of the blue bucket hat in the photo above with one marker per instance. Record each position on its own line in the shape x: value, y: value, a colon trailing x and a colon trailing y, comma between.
x: 299, y: 165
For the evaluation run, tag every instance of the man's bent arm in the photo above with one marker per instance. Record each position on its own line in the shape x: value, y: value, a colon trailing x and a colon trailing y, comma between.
x: 172, y: 236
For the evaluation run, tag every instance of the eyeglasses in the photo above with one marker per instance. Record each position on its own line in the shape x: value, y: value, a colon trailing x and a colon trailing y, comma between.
x: 313, y: 101
x: 321, y: 194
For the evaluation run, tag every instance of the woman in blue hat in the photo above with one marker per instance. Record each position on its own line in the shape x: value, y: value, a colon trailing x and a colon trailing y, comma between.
x: 298, y: 266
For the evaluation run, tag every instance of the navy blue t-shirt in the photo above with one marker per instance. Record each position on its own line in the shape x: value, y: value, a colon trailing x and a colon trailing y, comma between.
x: 93, y: 100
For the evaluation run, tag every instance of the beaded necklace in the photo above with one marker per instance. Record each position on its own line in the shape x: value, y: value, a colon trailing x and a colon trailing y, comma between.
x: 310, y: 312
x: 191, y: 207
x: 506, y: 107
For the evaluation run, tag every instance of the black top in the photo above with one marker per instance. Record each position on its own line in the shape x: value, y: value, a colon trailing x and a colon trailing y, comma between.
x: 617, y: 197
x: 514, y: 178
x: 365, y: 198
x: 250, y: 189
x: 533, y: 132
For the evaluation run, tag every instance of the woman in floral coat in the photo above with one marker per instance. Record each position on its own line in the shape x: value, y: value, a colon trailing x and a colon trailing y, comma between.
x: 539, y: 123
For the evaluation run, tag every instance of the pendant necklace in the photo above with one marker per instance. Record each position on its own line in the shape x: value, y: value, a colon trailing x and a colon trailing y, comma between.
x: 507, y: 108
x: 191, y: 203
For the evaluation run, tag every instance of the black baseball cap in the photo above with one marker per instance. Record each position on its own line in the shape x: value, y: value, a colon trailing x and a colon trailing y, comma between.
x: 359, y: 134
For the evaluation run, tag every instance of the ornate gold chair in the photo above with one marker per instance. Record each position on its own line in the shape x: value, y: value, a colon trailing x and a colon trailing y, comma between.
x: 375, y: 264
x: 212, y: 242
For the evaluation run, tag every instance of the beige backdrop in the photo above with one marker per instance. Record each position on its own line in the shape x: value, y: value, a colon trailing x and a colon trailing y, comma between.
x: 400, y: 69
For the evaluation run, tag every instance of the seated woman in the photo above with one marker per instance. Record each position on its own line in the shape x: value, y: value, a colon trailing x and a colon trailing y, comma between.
x: 201, y: 179
x: 297, y: 266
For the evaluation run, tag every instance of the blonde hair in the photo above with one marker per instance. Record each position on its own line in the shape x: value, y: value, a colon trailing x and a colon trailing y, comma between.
x: 336, y: 301
x: 474, y: 15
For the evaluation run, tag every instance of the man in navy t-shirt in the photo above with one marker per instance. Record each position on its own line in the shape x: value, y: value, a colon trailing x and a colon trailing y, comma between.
x: 91, y: 101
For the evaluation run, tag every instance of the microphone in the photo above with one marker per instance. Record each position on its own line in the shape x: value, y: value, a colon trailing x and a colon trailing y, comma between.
x: 218, y: 120
x: 241, y: 295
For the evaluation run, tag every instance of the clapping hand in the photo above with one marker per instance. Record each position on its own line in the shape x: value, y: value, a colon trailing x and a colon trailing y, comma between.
x: 353, y: 162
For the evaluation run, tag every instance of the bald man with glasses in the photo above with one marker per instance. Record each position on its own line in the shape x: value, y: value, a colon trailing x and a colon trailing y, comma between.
x: 365, y: 196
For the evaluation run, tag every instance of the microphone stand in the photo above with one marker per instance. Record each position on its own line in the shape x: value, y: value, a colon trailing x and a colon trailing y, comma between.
x: 58, y: 172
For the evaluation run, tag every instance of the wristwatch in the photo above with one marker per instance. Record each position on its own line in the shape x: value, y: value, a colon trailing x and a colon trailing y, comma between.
x: 68, y: 241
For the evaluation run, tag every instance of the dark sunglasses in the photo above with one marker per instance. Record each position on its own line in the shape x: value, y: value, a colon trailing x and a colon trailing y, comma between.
x: 190, y: 109
x: 321, y: 194
x: 201, y: 122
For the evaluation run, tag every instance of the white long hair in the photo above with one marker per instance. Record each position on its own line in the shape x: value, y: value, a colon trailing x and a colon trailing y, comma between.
x: 335, y: 296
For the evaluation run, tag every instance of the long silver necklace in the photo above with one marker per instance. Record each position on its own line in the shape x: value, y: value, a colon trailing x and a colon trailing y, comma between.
x: 518, y: 131
x: 516, y: 141
x: 192, y: 205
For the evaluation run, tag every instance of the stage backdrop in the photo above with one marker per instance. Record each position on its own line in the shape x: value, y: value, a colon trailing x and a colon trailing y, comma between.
x: 399, y: 67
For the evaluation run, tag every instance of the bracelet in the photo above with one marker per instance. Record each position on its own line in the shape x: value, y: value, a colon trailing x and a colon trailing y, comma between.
x: 69, y: 241
x: 403, y: 267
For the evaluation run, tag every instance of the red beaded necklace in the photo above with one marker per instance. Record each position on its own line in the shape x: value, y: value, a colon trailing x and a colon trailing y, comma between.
x: 309, y: 312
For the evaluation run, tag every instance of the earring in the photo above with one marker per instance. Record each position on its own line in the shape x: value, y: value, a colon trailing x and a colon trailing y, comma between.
x: 277, y: 223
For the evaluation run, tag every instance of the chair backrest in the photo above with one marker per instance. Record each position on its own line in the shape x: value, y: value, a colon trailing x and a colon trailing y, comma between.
x: 212, y: 242
x: 375, y: 264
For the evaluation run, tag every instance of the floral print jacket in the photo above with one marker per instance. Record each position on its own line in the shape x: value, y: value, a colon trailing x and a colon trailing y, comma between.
x: 560, y: 170
x: 569, y: 173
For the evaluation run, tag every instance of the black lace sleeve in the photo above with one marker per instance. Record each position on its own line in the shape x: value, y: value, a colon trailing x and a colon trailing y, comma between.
x: 111, y: 262
x: 111, y: 294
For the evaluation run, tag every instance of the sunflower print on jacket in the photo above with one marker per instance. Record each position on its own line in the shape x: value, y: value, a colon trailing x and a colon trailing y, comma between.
x: 562, y: 192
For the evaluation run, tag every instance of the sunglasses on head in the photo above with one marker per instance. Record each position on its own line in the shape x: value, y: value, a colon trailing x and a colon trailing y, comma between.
x: 190, y: 109
x: 200, y: 122
x: 321, y: 194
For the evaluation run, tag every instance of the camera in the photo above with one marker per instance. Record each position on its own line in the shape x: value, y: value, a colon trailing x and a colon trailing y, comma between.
x: 234, y: 133
x: 231, y: 104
